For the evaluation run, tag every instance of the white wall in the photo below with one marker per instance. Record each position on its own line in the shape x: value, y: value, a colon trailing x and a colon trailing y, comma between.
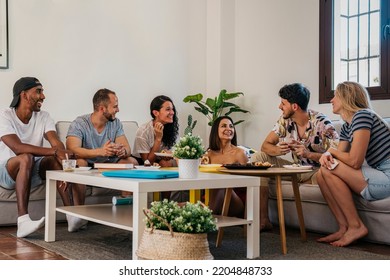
x: 142, y: 48
x: 138, y: 48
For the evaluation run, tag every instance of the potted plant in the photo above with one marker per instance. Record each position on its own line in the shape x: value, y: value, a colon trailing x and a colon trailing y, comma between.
x: 212, y: 108
x: 188, y: 150
x: 176, y: 231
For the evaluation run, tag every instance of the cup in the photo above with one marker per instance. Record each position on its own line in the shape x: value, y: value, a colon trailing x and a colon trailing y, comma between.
x: 68, y: 165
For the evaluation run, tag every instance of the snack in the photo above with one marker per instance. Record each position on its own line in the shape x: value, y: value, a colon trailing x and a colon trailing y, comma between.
x: 265, y: 164
x: 205, y: 160
x: 156, y: 164
x: 147, y: 163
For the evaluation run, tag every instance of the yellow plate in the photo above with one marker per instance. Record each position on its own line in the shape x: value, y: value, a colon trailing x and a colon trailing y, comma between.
x: 209, y: 167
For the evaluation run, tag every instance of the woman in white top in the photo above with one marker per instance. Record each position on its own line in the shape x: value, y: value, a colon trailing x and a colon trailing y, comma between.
x: 159, y: 134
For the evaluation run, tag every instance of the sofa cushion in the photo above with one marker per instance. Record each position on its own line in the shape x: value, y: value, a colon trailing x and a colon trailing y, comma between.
x: 37, y: 193
x: 312, y: 194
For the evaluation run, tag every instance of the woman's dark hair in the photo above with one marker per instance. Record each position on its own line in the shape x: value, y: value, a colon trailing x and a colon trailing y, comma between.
x: 214, y: 141
x: 296, y: 93
x: 171, y: 130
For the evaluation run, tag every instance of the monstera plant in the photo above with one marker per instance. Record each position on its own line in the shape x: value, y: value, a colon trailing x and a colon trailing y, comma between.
x: 218, y: 106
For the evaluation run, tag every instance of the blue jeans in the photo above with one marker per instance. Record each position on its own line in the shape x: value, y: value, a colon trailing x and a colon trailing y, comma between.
x: 378, y: 180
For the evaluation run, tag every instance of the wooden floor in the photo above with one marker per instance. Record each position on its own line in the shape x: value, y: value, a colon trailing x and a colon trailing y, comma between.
x: 12, y: 248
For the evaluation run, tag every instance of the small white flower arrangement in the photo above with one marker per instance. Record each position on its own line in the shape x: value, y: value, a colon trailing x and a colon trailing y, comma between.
x: 189, y: 218
x: 189, y: 147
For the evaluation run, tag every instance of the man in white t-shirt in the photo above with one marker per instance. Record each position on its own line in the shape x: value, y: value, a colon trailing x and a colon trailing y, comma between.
x: 23, y: 159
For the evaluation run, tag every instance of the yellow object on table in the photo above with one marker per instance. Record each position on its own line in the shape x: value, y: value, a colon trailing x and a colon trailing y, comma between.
x: 207, y: 168
x: 195, y: 195
x: 213, y: 168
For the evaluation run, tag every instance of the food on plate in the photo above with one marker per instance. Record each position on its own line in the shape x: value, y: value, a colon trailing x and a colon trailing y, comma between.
x: 205, y: 160
x: 147, y: 163
x: 164, y: 154
x: 260, y: 163
x: 155, y: 164
x: 295, y: 165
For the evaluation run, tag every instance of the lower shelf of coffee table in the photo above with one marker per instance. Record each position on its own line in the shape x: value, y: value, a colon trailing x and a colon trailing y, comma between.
x: 121, y: 216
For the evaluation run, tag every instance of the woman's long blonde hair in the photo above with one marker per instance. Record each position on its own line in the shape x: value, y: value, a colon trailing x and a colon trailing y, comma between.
x: 353, y: 96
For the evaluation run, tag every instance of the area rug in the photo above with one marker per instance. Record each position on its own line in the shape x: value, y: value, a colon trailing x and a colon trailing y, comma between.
x: 99, y: 242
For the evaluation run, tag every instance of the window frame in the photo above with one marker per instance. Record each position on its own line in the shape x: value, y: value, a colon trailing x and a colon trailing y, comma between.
x: 326, y: 47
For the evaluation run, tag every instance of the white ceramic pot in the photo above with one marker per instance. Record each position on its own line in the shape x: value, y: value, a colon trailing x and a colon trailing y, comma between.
x: 188, y: 168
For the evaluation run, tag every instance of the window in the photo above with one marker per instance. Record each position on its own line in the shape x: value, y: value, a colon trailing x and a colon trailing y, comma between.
x: 355, y: 46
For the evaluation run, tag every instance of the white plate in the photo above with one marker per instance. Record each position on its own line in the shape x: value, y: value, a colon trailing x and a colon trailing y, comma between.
x: 141, y: 167
x: 82, y: 168
x: 164, y: 154
x: 302, y: 167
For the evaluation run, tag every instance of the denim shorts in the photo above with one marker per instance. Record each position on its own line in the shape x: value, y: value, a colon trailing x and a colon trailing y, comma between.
x: 8, y: 183
x: 378, y: 180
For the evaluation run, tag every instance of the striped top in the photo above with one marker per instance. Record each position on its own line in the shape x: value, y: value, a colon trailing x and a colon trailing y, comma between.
x: 379, y: 145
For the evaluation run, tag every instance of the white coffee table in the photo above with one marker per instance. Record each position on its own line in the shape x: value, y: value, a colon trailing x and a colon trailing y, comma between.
x: 132, y: 218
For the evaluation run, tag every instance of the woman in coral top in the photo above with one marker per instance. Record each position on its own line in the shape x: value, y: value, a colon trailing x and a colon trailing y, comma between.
x: 223, y: 150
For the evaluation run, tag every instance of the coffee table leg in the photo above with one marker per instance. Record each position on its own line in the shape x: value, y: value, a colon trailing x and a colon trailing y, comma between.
x: 281, y: 213
x: 253, y: 229
x: 298, y: 205
x: 139, y: 203
x: 50, y: 212
x: 225, y: 212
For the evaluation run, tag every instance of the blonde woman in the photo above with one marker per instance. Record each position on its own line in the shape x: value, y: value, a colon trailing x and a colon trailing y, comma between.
x: 360, y: 164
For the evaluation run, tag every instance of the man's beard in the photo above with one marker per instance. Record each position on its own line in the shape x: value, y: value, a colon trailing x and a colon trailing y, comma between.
x: 36, y: 108
x: 109, y: 117
x: 289, y: 115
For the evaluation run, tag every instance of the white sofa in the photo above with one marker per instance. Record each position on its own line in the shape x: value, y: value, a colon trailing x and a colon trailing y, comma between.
x: 8, y: 208
x: 318, y: 218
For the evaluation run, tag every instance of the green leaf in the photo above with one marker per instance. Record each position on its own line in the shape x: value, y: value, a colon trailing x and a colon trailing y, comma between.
x: 211, y: 103
x: 204, y: 110
x: 220, y: 98
x: 232, y: 95
x: 212, y: 108
x: 193, y: 98
x: 236, y: 109
x: 229, y: 104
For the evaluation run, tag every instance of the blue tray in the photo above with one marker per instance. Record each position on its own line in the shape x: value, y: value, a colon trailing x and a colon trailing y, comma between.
x: 146, y: 174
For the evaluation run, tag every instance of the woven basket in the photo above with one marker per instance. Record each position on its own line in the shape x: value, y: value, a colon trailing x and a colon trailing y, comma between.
x: 168, y: 245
